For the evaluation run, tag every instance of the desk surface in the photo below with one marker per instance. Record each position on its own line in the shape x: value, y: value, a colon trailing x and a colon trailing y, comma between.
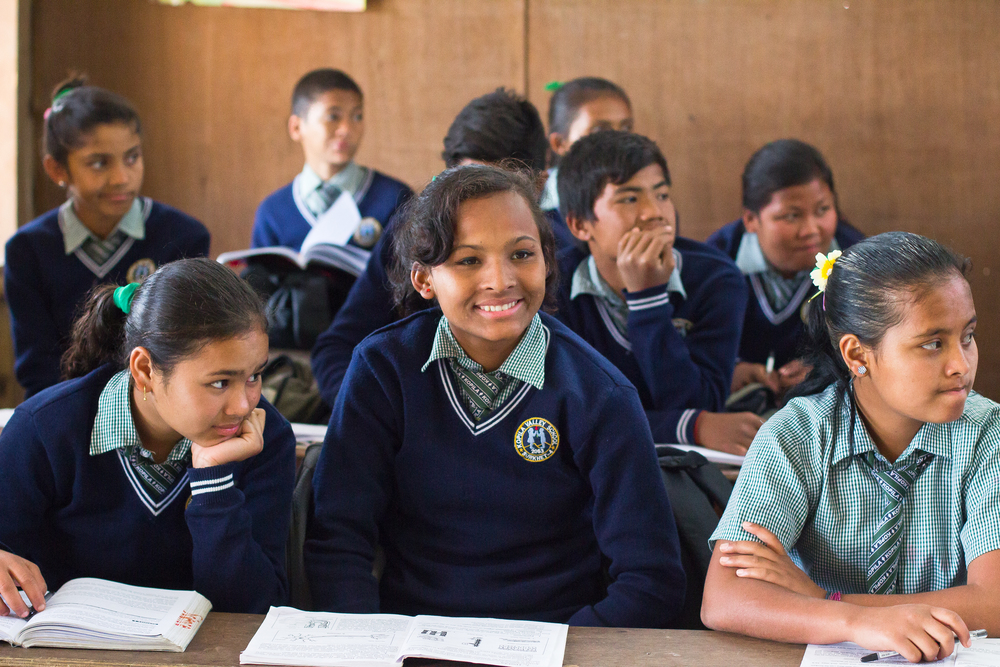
x: 223, y: 636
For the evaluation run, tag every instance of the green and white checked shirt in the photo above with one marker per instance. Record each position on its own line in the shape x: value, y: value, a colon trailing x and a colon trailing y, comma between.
x: 802, y: 481
x: 525, y: 364
x: 114, y: 428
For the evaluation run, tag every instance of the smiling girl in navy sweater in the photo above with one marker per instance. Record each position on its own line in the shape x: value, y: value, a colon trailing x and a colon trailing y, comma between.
x: 105, y: 232
x: 504, y: 466
x: 158, y: 464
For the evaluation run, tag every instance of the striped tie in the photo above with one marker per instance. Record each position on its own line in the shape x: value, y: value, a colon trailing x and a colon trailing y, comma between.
x: 321, y: 199
x: 883, y: 560
x: 158, y: 479
x: 100, y: 250
x: 480, y: 389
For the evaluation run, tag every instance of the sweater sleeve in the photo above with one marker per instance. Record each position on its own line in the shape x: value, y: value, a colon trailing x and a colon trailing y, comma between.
x: 368, y: 307
x: 352, y: 489
x: 37, y: 348
x: 673, y: 426
x: 239, y: 520
x: 199, y: 245
x: 263, y: 234
x: 632, y: 519
x: 29, y: 489
x: 693, y: 370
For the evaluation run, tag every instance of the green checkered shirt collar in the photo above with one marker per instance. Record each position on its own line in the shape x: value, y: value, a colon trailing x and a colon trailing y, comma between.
x: 526, y: 363
x: 931, y: 438
x: 133, y: 223
x: 114, y: 427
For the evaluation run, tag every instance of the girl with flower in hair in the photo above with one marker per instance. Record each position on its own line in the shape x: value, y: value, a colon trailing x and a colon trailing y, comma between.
x: 868, y: 509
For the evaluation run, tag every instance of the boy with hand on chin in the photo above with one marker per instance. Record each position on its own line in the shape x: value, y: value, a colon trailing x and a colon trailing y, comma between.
x: 666, y: 310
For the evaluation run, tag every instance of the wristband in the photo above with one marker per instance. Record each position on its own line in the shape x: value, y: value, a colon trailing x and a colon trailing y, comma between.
x: 833, y: 595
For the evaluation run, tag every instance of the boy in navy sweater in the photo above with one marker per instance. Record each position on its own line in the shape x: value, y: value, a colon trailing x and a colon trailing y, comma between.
x: 327, y: 121
x: 790, y: 214
x: 498, y: 460
x: 490, y: 129
x: 171, y: 473
x: 665, y: 310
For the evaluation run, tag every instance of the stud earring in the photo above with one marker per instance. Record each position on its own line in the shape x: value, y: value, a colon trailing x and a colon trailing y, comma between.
x: 862, y: 370
x: 62, y: 184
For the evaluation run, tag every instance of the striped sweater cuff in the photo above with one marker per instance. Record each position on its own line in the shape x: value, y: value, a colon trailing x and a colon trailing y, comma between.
x: 654, y: 297
x: 212, y: 483
x: 685, y: 427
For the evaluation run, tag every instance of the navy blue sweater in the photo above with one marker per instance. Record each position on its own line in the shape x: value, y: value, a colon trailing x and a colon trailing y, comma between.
x: 369, y: 307
x: 279, y: 222
x: 679, y: 352
x: 45, y: 286
x: 470, y: 527
x: 77, y: 515
x: 764, y: 331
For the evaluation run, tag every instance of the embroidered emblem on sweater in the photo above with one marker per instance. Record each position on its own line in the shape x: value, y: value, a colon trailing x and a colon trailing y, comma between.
x: 682, y: 326
x: 536, y: 440
x: 140, y: 270
x: 368, y: 232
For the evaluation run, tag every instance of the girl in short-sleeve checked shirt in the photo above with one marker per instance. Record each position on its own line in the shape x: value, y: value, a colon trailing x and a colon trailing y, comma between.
x: 879, y: 481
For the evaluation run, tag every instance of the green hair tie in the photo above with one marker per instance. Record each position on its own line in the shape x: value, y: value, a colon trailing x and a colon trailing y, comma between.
x: 553, y: 86
x: 124, y: 295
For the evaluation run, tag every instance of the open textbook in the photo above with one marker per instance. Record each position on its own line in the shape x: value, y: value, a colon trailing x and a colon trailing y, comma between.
x: 983, y: 652
x: 320, y: 639
x: 99, y: 614
x: 325, y: 244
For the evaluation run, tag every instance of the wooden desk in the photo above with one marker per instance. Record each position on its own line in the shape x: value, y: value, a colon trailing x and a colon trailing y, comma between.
x: 223, y: 636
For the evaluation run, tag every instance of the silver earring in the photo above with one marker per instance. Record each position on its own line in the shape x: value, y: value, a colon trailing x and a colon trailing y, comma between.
x: 862, y: 370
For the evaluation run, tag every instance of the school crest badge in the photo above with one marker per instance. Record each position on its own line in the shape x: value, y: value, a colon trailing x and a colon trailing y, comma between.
x: 139, y: 271
x: 682, y: 326
x: 368, y: 232
x: 536, y: 440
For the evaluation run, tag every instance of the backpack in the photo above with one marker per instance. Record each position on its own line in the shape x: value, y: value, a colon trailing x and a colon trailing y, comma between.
x: 301, y: 303
x: 698, y: 493
x: 298, y: 585
x: 287, y: 384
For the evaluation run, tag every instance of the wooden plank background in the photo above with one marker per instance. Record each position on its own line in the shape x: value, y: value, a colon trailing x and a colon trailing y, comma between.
x: 902, y: 96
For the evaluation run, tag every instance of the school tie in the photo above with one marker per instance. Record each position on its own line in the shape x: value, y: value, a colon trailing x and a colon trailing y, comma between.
x: 321, y: 199
x: 158, y: 479
x: 100, y: 250
x: 480, y: 388
x: 883, y: 559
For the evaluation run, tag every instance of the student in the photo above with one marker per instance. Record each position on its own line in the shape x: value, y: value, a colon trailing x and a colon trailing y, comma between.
x: 578, y: 108
x: 491, y: 129
x: 790, y: 214
x: 880, y: 480
x: 158, y: 464
x: 665, y: 310
x: 327, y: 121
x: 495, y: 457
x: 105, y: 232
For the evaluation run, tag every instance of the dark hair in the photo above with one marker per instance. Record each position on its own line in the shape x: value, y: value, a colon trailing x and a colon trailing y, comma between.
x: 495, y: 127
x: 317, y: 82
x: 426, y: 234
x: 782, y: 164
x: 863, y: 296
x: 570, y: 96
x: 76, y: 110
x: 176, y: 311
x: 598, y: 159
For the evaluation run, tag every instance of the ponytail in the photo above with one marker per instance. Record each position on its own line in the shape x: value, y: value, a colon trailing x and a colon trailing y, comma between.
x: 98, y: 333
x: 180, y: 308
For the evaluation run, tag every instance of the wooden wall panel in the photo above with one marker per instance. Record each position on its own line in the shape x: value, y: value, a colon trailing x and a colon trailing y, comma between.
x: 901, y: 96
x: 213, y: 85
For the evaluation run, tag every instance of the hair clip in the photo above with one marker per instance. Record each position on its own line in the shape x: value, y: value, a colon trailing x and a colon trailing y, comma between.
x: 824, y: 265
x: 553, y: 86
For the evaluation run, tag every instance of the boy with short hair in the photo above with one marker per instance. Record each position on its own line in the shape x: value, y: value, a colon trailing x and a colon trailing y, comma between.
x: 327, y: 121
x: 490, y: 129
x: 666, y: 310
